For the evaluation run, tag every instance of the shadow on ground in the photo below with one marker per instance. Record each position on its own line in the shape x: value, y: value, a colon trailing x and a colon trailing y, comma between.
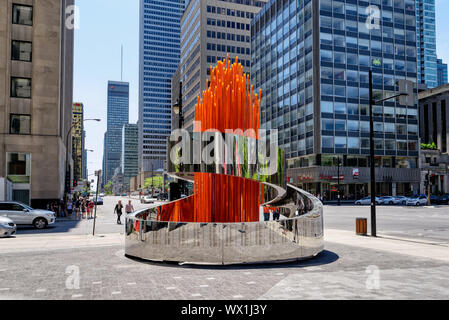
x: 60, y: 226
x: 325, y: 257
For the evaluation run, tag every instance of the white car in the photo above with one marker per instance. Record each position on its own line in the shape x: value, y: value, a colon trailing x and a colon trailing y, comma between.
x: 420, y: 200
x: 7, y: 227
x: 366, y: 201
x: 388, y: 200
x: 22, y: 214
x: 148, y: 200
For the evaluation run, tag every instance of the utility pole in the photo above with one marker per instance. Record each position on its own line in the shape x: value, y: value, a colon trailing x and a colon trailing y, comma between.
x: 98, y: 174
x: 429, y: 188
x: 407, y: 98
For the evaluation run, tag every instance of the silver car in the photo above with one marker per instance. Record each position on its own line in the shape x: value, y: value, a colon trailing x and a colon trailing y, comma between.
x: 22, y: 214
x: 7, y: 227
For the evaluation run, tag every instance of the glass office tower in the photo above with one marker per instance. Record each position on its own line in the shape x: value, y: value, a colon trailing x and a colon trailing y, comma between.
x: 311, y: 59
x: 118, y: 116
x: 426, y: 43
x: 442, y: 72
x: 159, y: 58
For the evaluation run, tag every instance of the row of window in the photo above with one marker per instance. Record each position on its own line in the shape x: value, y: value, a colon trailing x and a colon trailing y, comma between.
x: 227, y: 49
x: 227, y: 24
x: 230, y: 12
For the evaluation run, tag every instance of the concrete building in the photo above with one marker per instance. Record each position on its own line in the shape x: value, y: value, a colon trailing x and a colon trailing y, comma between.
x: 434, y: 128
x: 442, y: 72
x: 426, y: 43
x: 36, y: 84
x: 159, y: 58
x: 130, y: 153
x: 78, y: 142
x: 118, y: 185
x: 312, y: 60
x: 210, y: 30
x: 118, y: 116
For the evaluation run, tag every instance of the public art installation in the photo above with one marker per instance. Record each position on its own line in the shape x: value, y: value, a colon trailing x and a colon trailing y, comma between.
x: 242, y: 209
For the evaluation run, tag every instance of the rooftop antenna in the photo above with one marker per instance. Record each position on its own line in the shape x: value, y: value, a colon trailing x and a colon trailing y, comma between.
x: 121, y: 74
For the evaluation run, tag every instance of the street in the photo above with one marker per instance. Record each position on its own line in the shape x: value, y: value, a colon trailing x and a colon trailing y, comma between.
x: 66, y: 262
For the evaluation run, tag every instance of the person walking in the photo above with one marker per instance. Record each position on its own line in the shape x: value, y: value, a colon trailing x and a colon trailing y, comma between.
x: 90, y: 208
x: 69, y: 209
x: 83, y: 208
x: 129, y: 208
x: 118, y: 211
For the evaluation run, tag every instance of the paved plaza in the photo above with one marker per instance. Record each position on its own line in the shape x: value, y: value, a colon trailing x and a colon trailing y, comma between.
x: 72, y: 264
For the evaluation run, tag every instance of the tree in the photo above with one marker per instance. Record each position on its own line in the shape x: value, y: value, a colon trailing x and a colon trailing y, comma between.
x: 108, y: 188
x: 156, y: 182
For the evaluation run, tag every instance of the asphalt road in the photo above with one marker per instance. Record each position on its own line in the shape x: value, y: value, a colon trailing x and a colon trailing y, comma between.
x: 422, y: 223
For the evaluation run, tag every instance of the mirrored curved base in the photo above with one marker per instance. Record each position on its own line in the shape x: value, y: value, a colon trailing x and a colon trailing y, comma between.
x: 226, y: 243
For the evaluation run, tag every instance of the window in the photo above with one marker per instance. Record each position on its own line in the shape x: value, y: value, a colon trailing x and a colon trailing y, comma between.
x: 20, y: 124
x: 21, y: 51
x: 20, y: 88
x: 18, y: 167
x: 22, y: 15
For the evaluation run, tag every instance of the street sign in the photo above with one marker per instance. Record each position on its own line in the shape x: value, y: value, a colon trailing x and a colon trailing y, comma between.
x: 355, y: 174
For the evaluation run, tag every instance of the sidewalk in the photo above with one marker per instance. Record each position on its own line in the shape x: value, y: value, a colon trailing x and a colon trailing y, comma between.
x: 416, y: 248
x: 60, y: 241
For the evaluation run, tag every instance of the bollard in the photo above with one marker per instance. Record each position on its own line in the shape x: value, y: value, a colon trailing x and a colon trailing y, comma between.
x: 361, y: 226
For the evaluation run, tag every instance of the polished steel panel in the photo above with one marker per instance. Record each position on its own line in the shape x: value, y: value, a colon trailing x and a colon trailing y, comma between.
x: 291, y: 238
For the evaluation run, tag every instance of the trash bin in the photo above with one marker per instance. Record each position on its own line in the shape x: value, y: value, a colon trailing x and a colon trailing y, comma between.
x: 361, y: 226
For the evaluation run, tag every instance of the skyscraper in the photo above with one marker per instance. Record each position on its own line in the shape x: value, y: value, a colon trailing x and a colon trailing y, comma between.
x: 210, y: 30
x: 312, y: 60
x: 426, y: 42
x: 442, y: 72
x: 78, y: 147
x: 36, y: 72
x: 159, y: 58
x: 130, y: 152
x: 118, y: 116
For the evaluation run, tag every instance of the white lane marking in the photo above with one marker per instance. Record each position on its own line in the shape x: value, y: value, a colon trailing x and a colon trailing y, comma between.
x: 5, y: 289
x: 251, y: 282
x: 196, y: 295
x: 210, y: 278
x: 41, y: 290
x: 131, y: 283
x: 116, y: 292
x: 204, y: 286
x: 247, y: 273
x: 2, y: 270
x: 279, y: 274
x: 170, y: 288
x: 97, y: 282
x: 177, y: 277
x: 77, y: 296
x: 237, y: 297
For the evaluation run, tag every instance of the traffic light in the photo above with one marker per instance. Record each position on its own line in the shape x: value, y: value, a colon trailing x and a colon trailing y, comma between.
x: 75, y: 183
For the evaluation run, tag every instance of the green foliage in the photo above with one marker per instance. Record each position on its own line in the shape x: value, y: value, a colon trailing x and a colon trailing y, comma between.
x: 108, y: 188
x: 157, y: 182
x: 429, y: 146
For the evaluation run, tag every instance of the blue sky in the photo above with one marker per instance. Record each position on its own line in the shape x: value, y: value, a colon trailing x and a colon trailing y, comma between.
x: 107, y: 24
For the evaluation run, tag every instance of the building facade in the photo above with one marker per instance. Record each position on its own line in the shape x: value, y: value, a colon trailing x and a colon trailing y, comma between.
x: 159, y: 58
x: 426, y: 43
x: 442, y: 72
x: 434, y: 129
x: 130, y: 153
x: 36, y: 85
x: 78, y: 141
x: 210, y: 30
x: 118, y: 116
x: 312, y: 60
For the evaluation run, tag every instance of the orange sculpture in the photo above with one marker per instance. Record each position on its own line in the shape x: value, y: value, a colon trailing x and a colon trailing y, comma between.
x: 228, y: 103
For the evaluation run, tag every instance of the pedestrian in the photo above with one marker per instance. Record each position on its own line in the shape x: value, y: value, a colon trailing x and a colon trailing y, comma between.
x: 77, y: 209
x: 69, y: 209
x: 91, y: 207
x: 266, y: 213
x: 118, y: 210
x: 276, y: 214
x: 83, y: 208
x: 129, y: 207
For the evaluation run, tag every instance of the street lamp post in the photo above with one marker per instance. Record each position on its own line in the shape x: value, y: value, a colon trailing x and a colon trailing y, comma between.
x: 98, y: 174
x: 403, y: 84
x: 338, y: 180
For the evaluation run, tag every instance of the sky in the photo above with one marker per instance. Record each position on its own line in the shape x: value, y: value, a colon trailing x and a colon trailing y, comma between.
x: 104, y: 26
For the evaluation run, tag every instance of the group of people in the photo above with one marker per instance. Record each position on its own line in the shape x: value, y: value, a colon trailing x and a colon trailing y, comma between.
x: 82, y: 207
x: 118, y: 210
x: 271, y: 211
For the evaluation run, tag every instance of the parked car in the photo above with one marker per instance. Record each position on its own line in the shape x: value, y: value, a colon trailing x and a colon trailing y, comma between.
x: 7, y: 227
x: 444, y: 199
x: 435, y: 199
x: 387, y: 200
x: 366, y: 201
x: 163, y: 196
x: 99, y: 201
x: 147, y: 200
x: 417, y: 200
x: 400, y: 200
x: 22, y: 214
